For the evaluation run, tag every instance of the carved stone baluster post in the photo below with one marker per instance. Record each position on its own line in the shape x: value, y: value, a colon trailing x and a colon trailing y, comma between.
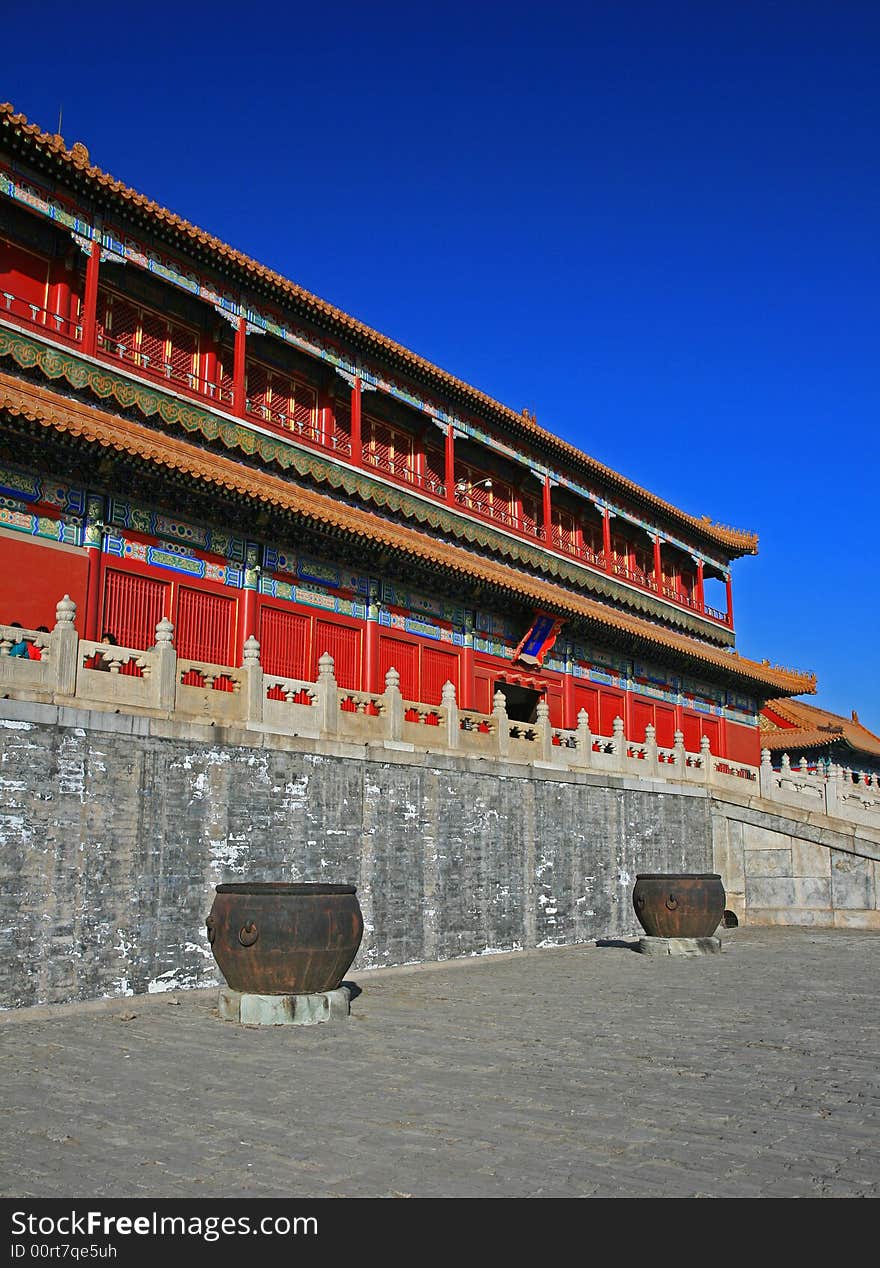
x: 393, y: 706
x: 545, y: 731
x: 706, y: 759
x: 832, y: 790
x: 64, y: 648
x: 651, y: 761
x: 584, y: 739
x: 328, y: 696
x: 618, y: 743
x: 678, y: 749
x: 164, y: 675
x: 253, y: 674
x: 766, y: 783
x: 450, y: 704
x: 502, y: 723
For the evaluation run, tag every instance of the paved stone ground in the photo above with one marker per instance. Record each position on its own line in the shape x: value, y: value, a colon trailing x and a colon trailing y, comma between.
x: 568, y: 1072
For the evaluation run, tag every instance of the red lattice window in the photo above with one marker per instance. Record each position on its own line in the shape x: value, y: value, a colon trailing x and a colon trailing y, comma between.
x: 204, y: 626
x: 153, y: 342
x: 435, y: 468
x: 304, y: 407
x: 133, y: 607
x: 183, y: 353
x: 257, y: 390
x: 565, y: 531
x: 342, y: 426
x: 284, y: 643
x: 394, y: 653
x: 529, y: 513
x: 343, y: 642
x: 438, y: 668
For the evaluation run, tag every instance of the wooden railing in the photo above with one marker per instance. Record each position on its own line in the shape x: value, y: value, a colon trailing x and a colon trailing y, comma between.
x: 312, y: 434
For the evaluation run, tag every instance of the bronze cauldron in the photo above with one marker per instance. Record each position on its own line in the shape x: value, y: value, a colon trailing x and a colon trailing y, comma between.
x: 679, y: 904
x: 284, y: 939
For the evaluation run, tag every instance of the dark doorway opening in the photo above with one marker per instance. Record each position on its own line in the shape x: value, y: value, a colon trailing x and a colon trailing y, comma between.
x: 521, y: 702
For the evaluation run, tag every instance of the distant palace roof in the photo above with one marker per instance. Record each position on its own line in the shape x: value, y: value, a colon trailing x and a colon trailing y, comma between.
x: 67, y: 415
x: 794, y: 724
x: 74, y: 162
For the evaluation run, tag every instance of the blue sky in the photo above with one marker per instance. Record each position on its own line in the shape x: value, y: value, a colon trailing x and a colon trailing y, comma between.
x: 654, y: 225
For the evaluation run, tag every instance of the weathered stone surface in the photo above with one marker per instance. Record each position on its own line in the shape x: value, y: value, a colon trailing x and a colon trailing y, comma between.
x: 284, y: 1010
x: 809, y: 859
x: 679, y: 946
x: 768, y: 863
x: 769, y: 891
x: 760, y: 837
x: 852, y: 881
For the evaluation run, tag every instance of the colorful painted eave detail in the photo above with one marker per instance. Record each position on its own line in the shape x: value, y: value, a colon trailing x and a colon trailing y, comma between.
x: 40, y: 405
x: 105, y: 384
x: 76, y: 161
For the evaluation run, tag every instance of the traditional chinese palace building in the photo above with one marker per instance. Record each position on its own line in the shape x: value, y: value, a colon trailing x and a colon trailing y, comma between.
x: 185, y: 433
x: 804, y: 731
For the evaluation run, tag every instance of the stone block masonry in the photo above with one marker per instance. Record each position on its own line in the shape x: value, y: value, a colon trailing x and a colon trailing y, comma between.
x: 115, y: 829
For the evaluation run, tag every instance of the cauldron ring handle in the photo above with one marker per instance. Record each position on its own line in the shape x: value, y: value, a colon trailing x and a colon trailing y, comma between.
x: 248, y: 934
x: 671, y: 902
x: 209, y: 924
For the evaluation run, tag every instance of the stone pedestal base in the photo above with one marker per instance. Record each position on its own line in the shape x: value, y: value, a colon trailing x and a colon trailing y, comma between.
x: 284, y: 1010
x: 679, y: 946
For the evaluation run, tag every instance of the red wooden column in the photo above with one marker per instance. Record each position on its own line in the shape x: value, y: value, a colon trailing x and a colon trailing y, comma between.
x: 658, y: 566
x: 606, y: 537
x: 90, y: 300
x: 700, y: 596
x: 357, y: 447
x: 94, y: 544
x: 371, y: 641
x: 548, y: 513
x: 247, y: 624
x: 466, y: 692
x: 569, y: 718
x: 239, y: 367
x: 449, y: 465
x: 729, y: 600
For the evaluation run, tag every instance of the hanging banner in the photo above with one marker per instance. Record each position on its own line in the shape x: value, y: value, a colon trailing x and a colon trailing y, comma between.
x: 539, y: 639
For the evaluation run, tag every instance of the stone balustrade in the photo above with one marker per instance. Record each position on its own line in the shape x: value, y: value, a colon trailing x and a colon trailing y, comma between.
x: 91, y: 675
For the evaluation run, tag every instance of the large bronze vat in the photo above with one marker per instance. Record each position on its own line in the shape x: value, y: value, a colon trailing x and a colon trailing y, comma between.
x: 679, y: 904
x: 284, y: 939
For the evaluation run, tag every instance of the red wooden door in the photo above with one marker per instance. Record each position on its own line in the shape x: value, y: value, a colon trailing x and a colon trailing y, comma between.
x: 133, y: 607
x: 285, y: 643
x: 204, y: 625
x: 438, y: 668
x: 343, y: 642
x: 394, y: 653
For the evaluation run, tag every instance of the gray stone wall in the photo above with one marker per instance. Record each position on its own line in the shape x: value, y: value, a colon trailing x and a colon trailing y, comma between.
x: 796, y: 868
x: 115, y: 829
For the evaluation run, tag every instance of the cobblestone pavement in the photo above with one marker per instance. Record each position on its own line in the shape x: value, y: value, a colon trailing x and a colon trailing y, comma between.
x: 567, y: 1072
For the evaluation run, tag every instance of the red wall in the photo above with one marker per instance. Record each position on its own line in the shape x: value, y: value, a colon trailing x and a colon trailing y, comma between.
x: 743, y: 744
x: 35, y: 576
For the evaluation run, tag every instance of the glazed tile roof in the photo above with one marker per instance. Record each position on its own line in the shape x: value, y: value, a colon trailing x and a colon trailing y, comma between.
x: 41, y: 405
x: 808, y: 726
x: 733, y: 542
